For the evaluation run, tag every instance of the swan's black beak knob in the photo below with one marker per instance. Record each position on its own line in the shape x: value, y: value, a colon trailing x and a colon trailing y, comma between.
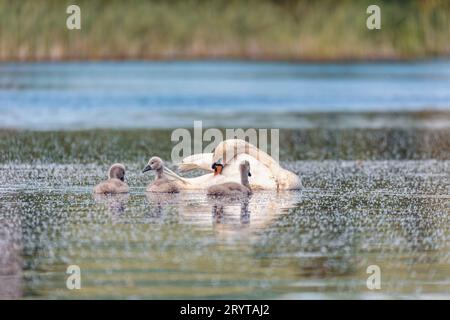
x: 249, y: 174
x: 147, y: 168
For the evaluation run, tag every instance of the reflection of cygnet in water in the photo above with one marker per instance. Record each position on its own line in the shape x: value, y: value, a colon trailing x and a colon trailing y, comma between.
x: 115, y: 183
x: 161, y: 203
x: 233, y: 188
x: 116, y: 203
x: 219, y: 211
x: 230, y: 218
x: 162, y: 183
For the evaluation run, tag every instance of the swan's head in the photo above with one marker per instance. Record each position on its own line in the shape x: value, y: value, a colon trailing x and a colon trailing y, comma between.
x: 217, y: 167
x: 117, y: 171
x: 244, y: 167
x: 155, y: 163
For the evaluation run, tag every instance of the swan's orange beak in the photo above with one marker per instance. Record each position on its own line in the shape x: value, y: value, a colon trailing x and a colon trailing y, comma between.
x: 218, y: 169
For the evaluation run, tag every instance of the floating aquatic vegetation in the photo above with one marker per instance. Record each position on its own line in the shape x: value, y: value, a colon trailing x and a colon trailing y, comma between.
x: 318, y: 241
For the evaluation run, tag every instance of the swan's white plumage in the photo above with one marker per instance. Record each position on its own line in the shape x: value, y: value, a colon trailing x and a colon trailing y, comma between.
x: 201, y: 161
x: 267, y: 172
x: 227, y: 150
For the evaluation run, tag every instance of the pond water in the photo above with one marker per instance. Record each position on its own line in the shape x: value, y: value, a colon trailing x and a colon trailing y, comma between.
x: 314, y: 243
x: 370, y: 141
x: 221, y: 94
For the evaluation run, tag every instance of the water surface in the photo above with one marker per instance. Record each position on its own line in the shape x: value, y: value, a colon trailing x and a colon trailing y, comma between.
x: 221, y: 94
x: 314, y: 243
x: 370, y: 141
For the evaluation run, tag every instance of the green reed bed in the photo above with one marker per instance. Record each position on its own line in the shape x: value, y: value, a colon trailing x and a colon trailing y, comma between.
x: 255, y: 29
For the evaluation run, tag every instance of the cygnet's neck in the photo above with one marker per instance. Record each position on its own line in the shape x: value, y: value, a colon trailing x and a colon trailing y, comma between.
x: 244, y: 178
x: 159, y: 173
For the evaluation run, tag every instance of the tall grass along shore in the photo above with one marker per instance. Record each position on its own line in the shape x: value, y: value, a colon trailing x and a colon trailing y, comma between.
x: 254, y: 29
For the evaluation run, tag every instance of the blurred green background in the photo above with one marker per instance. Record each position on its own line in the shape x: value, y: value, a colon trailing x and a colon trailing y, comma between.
x: 255, y: 29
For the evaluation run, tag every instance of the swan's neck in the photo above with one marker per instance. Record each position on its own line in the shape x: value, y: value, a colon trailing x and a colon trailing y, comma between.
x: 244, y: 178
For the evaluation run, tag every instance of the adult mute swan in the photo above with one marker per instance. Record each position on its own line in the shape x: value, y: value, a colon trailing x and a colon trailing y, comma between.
x: 269, y: 174
x: 115, y: 183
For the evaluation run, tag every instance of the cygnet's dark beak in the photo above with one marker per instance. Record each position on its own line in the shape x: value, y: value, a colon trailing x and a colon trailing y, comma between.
x: 147, y: 168
x: 249, y: 174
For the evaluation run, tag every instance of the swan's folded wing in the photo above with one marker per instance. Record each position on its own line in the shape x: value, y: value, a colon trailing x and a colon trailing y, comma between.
x: 229, y: 149
x: 201, y: 161
x: 173, y: 176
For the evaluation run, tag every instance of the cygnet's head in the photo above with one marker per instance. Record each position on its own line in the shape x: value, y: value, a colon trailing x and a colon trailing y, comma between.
x: 244, y: 167
x: 155, y: 163
x: 117, y: 171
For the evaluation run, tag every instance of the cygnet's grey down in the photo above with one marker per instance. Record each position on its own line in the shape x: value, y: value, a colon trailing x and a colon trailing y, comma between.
x: 161, y: 183
x: 115, y: 183
x: 233, y: 188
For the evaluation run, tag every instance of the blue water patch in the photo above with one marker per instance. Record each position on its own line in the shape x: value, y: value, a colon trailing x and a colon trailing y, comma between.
x: 81, y: 95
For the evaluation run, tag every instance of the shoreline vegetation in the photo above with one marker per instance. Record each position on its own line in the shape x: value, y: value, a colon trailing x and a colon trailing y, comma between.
x: 288, y: 30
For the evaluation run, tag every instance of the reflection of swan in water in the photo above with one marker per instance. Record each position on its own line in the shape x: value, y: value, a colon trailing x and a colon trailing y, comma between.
x: 116, y: 203
x: 163, y: 202
x: 268, y: 174
x: 229, y: 216
x: 246, y: 217
x: 220, y: 211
